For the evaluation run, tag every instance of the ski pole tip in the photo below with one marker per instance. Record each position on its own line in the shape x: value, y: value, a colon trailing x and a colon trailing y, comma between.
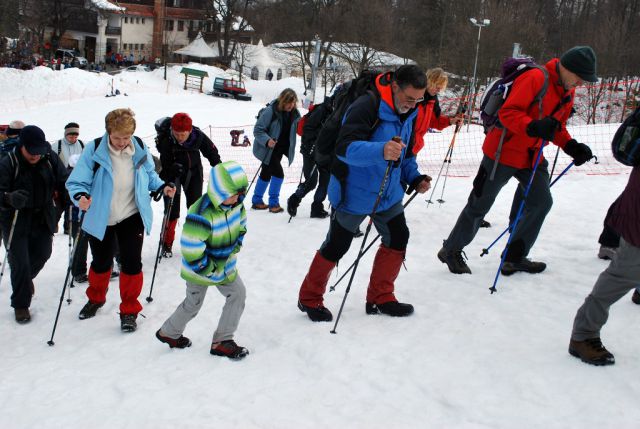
x: 149, y: 299
x: 493, y: 289
x: 50, y: 342
x: 333, y: 331
x: 484, y: 252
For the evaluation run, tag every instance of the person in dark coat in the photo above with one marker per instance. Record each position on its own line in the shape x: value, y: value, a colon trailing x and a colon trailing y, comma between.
x: 180, y: 150
x: 310, y: 169
x: 622, y: 275
x: 511, y: 151
x: 32, y: 181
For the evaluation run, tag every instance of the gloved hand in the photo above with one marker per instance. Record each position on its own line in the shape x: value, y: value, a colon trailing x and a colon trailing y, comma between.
x: 177, y: 169
x: 580, y: 152
x: 17, y: 199
x: 158, y: 193
x: 544, y: 128
x: 416, y: 182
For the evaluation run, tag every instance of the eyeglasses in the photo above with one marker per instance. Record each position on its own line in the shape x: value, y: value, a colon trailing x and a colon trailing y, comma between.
x: 408, y: 99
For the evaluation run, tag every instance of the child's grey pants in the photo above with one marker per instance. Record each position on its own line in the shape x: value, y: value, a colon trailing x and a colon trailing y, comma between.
x: 235, y: 294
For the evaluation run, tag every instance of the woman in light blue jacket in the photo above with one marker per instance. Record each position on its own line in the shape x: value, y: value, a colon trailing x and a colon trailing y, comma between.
x: 274, y: 136
x: 111, y: 183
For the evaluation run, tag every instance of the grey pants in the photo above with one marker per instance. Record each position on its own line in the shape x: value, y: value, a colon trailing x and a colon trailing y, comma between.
x: 484, y: 194
x: 235, y: 294
x: 622, y: 275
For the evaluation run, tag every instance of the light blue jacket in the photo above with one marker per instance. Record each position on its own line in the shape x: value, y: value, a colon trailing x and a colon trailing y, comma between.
x: 267, y: 127
x: 100, y: 185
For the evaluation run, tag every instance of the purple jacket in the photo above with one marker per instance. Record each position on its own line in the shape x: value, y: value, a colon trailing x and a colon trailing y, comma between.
x: 625, y: 213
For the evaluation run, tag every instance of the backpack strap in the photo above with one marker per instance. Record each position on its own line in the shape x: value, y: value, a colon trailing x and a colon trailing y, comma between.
x: 14, y: 163
x: 59, y: 147
x: 97, y: 141
x: 81, y: 143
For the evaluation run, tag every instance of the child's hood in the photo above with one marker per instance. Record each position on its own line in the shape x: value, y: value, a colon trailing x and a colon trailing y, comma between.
x: 226, y: 179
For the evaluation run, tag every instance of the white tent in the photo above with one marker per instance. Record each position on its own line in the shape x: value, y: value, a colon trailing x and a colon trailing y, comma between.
x: 197, y: 48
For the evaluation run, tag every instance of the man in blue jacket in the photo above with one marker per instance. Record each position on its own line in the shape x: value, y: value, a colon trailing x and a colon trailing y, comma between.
x: 376, y: 131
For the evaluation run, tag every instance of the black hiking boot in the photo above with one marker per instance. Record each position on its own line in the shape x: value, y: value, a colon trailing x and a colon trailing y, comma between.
x: 114, y: 273
x: 128, y: 322
x: 484, y: 224
x: 166, y: 251
x: 636, y: 297
x: 358, y: 233
x: 230, y: 349
x: 80, y: 278
x: 89, y: 310
x: 292, y: 205
x: 393, y: 308
x: 318, y: 211
x: 178, y: 343
x: 607, y: 253
x: 454, y: 260
x: 22, y: 315
x: 525, y: 265
x: 591, y: 351
x: 316, y: 314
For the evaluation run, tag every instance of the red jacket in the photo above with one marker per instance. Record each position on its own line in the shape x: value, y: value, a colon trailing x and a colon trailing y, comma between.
x: 519, y: 110
x: 427, y: 119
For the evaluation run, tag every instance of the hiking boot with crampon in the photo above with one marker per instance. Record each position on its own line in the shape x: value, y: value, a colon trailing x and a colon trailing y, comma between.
x: 525, y: 265
x: 128, y: 322
x: 230, y: 349
x: 591, y: 351
x: 177, y: 343
x: 454, y: 260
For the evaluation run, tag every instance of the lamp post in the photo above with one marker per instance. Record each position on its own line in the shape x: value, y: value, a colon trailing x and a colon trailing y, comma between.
x: 484, y: 23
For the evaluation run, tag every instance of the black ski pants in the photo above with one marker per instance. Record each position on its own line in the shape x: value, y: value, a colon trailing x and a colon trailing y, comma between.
x: 30, y: 249
x: 191, y: 183
x: 311, y: 171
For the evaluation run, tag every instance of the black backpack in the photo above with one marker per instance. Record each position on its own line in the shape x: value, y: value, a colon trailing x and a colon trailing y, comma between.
x: 344, y: 96
x: 626, y: 142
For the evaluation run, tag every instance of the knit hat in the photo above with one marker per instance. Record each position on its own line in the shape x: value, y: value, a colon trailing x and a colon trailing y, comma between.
x: 71, y: 128
x: 33, y: 140
x: 181, y: 122
x: 581, y: 60
x: 14, y: 128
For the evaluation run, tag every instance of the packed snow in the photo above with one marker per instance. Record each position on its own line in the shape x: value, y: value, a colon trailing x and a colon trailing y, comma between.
x: 465, y: 358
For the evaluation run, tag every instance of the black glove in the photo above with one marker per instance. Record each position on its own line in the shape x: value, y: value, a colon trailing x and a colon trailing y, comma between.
x: 177, y: 169
x: 580, y: 152
x: 412, y: 187
x: 544, y: 128
x: 16, y: 199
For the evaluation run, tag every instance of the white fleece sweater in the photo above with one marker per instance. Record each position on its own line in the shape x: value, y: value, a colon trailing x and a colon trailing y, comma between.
x: 123, y: 202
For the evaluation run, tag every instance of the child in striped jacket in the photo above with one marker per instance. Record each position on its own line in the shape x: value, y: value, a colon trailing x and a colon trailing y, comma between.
x: 211, y: 238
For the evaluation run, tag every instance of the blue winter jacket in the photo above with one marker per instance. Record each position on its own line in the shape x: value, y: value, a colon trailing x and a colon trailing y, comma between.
x: 360, y: 145
x: 268, y: 127
x: 100, y: 185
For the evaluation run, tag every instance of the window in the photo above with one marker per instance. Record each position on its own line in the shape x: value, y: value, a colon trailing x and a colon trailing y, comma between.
x: 126, y: 20
x: 137, y: 20
x: 142, y: 46
x: 180, y: 25
x: 124, y: 46
x: 143, y: 20
x: 168, y: 25
x: 136, y: 46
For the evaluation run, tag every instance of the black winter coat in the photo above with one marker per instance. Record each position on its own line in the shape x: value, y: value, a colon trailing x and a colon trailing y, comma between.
x: 44, y: 181
x: 188, y: 155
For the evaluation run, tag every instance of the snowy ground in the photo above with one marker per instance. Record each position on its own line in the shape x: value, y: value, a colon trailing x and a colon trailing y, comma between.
x: 464, y: 359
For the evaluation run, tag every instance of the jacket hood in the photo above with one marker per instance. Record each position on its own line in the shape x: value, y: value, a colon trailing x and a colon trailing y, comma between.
x: 226, y: 179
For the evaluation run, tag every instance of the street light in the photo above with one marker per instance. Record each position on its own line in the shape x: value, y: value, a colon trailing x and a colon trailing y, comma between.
x: 484, y: 23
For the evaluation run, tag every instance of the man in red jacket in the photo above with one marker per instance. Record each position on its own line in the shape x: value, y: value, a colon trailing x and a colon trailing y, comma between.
x: 526, y: 129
